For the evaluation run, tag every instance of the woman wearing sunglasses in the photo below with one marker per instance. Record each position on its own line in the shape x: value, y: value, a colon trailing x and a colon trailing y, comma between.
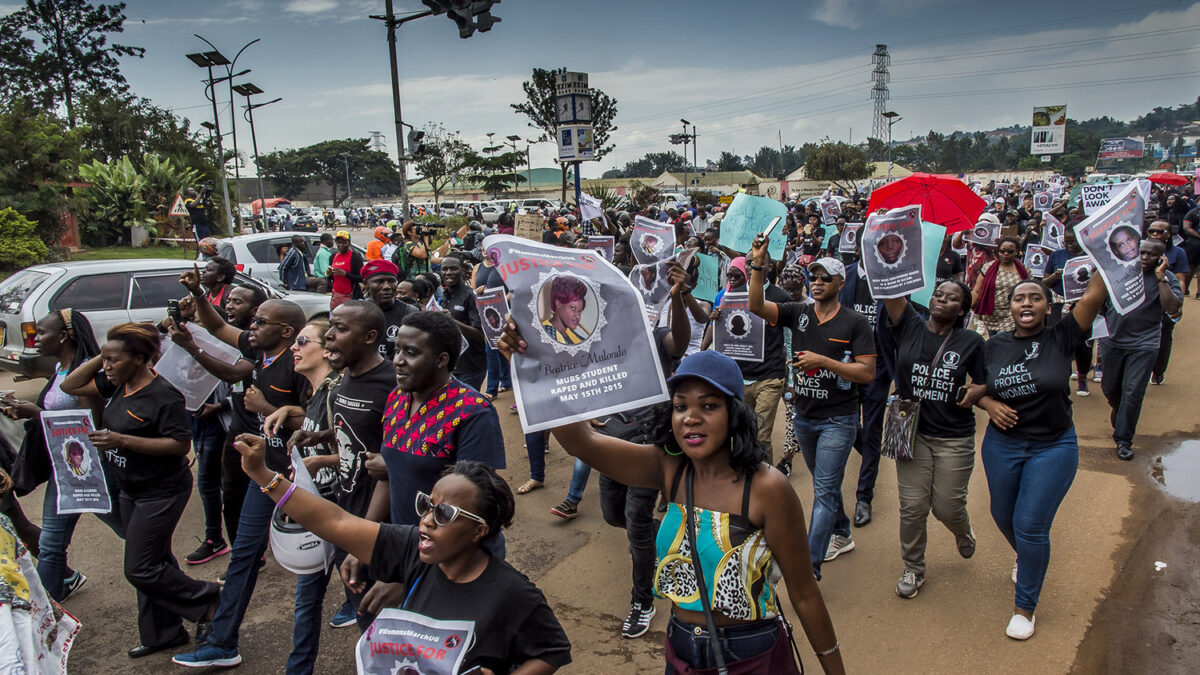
x: 443, y: 561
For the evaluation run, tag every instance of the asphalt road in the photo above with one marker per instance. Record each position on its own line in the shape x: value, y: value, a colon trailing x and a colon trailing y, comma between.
x: 1106, y: 606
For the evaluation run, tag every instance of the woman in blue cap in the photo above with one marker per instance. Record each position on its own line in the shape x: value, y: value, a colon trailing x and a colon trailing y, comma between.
x: 748, y: 526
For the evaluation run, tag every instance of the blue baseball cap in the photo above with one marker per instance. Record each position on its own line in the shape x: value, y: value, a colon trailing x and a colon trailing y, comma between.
x: 714, y: 368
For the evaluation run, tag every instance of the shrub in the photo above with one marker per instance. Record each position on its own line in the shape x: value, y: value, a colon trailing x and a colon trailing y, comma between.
x: 19, y: 244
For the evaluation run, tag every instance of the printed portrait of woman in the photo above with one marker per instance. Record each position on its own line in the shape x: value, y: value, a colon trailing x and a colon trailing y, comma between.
x: 76, y: 456
x: 566, y: 300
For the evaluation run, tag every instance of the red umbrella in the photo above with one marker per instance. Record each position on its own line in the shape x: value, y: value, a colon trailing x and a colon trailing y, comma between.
x: 1169, y: 179
x: 944, y: 200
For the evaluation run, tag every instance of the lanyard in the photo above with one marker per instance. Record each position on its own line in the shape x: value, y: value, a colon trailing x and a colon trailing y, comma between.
x: 413, y: 588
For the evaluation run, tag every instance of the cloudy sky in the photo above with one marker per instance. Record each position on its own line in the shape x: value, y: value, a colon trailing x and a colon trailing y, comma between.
x: 746, y: 73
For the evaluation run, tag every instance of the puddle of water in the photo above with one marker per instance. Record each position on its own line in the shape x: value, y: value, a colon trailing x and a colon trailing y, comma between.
x: 1178, y: 471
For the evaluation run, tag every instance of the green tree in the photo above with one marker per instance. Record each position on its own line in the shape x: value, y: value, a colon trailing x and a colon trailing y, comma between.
x: 442, y: 160
x: 372, y: 173
x: 116, y: 202
x: 55, y: 49
x: 839, y: 164
x: 19, y: 243
x: 39, y: 158
x: 286, y: 170
x: 651, y: 165
x: 120, y: 125
x: 727, y: 161
x: 494, y: 173
x: 539, y: 108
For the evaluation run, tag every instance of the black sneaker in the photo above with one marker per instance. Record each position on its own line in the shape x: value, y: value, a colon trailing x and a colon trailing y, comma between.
x: 73, y: 583
x: 638, y: 621
x: 207, y: 550
x: 567, y: 510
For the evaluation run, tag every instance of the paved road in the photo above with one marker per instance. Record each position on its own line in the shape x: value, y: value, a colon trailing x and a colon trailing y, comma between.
x: 1114, y: 524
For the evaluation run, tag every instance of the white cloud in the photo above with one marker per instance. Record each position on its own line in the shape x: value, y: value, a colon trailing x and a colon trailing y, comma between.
x: 310, y: 6
x: 850, y: 13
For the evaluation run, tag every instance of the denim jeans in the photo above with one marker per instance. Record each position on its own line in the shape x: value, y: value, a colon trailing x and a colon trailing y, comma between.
x: 869, y: 438
x: 579, y: 479
x: 1027, y: 481
x: 306, y: 631
x: 498, y: 372
x: 825, y: 444
x: 1166, y: 339
x: 253, y: 530
x: 207, y: 438
x: 691, y: 643
x: 472, y: 380
x: 57, y: 530
x: 632, y: 508
x: 1126, y: 374
x: 535, y: 447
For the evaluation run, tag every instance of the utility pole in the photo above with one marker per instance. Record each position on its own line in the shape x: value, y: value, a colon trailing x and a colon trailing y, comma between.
x: 346, y: 160
x: 248, y: 89
x: 892, y: 117
x: 685, y: 164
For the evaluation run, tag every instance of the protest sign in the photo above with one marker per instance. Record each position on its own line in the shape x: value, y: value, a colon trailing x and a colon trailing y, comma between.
x: 493, y: 307
x: 590, y: 207
x: 1077, y: 272
x: 984, y: 233
x: 1052, y: 233
x: 46, y: 635
x: 186, y: 374
x: 849, y: 240
x: 1042, y: 201
x: 746, y: 217
x: 399, y: 641
x: 602, y: 244
x: 830, y: 211
x: 529, y: 226
x: 1094, y: 196
x: 1111, y: 237
x: 1000, y: 191
x: 892, y: 256
x: 588, y: 354
x: 1036, y: 258
x: 708, y: 281
x: 1038, y: 186
x: 932, y: 236
x: 78, y: 471
x: 651, y: 240
x: 651, y: 283
x: 740, y: 334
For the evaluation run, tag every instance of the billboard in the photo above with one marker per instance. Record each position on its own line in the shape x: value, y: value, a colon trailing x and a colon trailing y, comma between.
x: 1049, y: 129
x: 1122, y: 148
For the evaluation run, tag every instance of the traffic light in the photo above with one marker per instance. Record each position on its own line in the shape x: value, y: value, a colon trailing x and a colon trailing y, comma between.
x: 472, y: 15
x: 416, y: 142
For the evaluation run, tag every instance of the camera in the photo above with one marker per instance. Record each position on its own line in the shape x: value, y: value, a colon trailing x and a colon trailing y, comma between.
x: 427, y: 230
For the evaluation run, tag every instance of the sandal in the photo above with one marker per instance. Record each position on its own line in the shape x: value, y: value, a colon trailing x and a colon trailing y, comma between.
x: 529, y: 486
x: 490, y: 397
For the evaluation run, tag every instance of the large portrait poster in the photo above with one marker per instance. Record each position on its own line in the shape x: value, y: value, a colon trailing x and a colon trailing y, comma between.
x: 740, y: 334
x: 602, y: 244
x: 848, y: 243
x: 1036, y: 258
x: 1111, y: 238
x: 186, y: 374
x: 405, y: 642
x: 589, y: 354
x: 746, y: 217
x: 1042, y: 201
x: 984, y: 233
x: 892, y: 253
x: 492, y: 306
x: 1077, y: 273
x: 78, y: 471
x: 651, y: 240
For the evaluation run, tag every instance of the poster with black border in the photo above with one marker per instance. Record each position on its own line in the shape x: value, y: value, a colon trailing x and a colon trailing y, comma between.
x: 1077, y: 273
x: 1052, y: 233
x: 589, y: 353
x: 1042, y: 201
x: 1036, y: 258
x: 78, y: 471
x: 1111, y: 237
x: 830, y: 211
x: 848, y: 243
x: 399, y: 641
x: 892, y: 253
x: 740, y: 334
x: 651, y: 240
x: 492, y: 305
x: 984, y: 233
x: 602, y: 244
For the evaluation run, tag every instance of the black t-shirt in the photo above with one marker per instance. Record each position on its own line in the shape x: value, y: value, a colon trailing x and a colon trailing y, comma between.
x: 864, y: 302
x: 276, y: 377
x: 1032, y: 375
x: 358, y: 404
x: 461, y: 304
x: 949, y: 264
x: 937, y: 387
x: 393, y: 317
x: 513, y: 621
x: 774, y: 363
x: 157, y: 410
x: 316, y: 418
x: 1192, y: 217
x: 843, y: 337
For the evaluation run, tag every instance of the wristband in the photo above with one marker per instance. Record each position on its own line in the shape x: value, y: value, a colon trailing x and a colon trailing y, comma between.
x: 271, y: 486
x: 286, y: 495
x: 756, y: 267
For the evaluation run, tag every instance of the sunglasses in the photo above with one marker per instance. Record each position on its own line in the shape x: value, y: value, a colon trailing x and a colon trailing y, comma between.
x: 1157, y: 231
x: 826, y: 278
x: 304, y: 340
x: 259, y: 321
x: 443, y: 514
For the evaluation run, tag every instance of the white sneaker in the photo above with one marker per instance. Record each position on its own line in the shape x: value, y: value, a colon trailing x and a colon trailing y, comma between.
x: 838, y: 545
x: 1020, y: 628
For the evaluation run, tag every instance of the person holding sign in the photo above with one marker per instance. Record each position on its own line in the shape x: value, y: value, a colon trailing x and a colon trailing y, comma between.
x: 934, y: 359
x: 1030, y: 452
x: 994, y: 285
x: 1056, y: 267
x: 145, y: 441
x: 444, y: 562
x: 834, y: 347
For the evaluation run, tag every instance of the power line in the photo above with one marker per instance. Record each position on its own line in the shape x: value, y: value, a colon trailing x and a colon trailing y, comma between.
x: 1066, y: 85
x: 1081, y: 64
x: 1058, y: 45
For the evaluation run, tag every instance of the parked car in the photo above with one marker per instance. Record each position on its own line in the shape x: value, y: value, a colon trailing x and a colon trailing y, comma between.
x: 491, y: 214
x: 109, y: 292
x: 305, y: 223
x: 258, y: 255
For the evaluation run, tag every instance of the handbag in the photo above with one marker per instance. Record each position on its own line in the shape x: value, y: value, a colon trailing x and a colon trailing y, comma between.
x: 901, y: 417
x: 780, y: 659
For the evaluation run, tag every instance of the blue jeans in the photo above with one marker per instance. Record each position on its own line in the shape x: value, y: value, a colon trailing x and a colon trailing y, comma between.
x: 738, y: 642
x: 57, y: 530
x: 207, y: 438
x: 579, y: 479
x: 632, y: 508
x: 825, y: 444
x: 1126, y: 374
x: 498, y: 372
x: 254, y: 527
x: 306, y: 632
x: 1027, y: 481
x: 535, y: 447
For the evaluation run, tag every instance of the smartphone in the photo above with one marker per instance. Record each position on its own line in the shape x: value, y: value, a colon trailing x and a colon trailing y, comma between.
x: 766, y: 234
x: 173, y: 311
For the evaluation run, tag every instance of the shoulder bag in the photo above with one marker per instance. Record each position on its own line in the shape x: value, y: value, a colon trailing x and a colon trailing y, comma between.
x: 901, y: 417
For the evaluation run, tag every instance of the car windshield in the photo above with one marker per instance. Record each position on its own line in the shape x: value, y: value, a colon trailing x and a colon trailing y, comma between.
x: 16, y: 288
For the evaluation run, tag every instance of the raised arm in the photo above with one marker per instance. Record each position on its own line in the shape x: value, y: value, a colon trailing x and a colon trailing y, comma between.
x: 228, y: 372
x: 81, y: 382
x: 206, y: 314
x: 895, y: 309
x: 681, y: 329
x: 757, y: 302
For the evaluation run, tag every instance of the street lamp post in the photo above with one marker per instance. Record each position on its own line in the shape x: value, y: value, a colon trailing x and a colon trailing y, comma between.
x: 247, y: 89
x: 237, y: 173
x: 892, y: 118
x: 208, y: 60
x: 346, y: 160
x: 685, y: 164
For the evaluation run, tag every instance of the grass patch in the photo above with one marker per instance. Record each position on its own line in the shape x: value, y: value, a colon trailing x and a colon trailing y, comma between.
x: 125, y: 252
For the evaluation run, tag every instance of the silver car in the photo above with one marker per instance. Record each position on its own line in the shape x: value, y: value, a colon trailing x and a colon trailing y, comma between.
x: 258, y: 255
x: 109, y: 292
